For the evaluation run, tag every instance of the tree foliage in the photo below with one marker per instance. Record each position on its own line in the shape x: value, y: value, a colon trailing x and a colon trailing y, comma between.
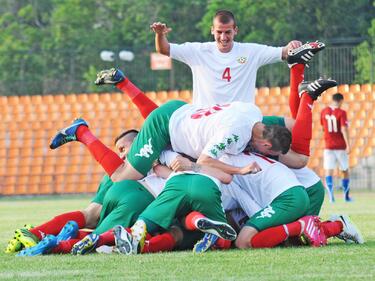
x: 52, y: 46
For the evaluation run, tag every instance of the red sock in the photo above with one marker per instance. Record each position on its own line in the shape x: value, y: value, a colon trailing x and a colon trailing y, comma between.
x: 108, y: 159
x: 64, y: 247
x: 159, y: 243
x: 144, y: 104
x: 302, y: 129
x: 296, y: 77
x: 55, y: 225
x: 106, y: 238
x: 82, y: 234
x: 273, y: 236
x: 222, y: 244
x: 190, y: 220
x: 332, y: 228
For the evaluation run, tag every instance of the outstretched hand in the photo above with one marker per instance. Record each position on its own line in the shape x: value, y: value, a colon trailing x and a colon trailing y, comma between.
x: 293, y: 44
x: 160, y: 28
x: 252, y: 168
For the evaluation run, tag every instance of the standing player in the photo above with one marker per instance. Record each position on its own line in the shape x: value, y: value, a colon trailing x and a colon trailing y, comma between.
x: 337, y: 144
x: 224, y: 70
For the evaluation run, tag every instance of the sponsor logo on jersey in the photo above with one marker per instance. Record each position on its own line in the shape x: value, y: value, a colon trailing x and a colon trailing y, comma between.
x: 266, y: 213
x: 146, y: 150
x: 242, y: 60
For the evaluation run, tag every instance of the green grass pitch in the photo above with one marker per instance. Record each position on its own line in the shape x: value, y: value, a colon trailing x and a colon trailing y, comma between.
x: 337, y: 261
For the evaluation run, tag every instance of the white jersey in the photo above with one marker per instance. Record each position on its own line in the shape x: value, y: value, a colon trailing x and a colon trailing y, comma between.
x: 153, y: 183
x: 306, y: 176
x: 234, y: 197
x: 224, y: 77
x: 213, y: 131
x: 266, y: 185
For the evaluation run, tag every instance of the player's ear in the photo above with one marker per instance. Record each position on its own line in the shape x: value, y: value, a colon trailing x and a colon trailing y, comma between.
x: 235, y: 30
x: 212, y: 30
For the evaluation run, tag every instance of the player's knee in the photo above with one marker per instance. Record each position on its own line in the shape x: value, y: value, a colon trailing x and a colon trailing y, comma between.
x: 242, y: 243
x: 92, y: 214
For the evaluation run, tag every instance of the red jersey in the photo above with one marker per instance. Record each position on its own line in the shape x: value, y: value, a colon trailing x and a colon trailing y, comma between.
x: 332, y: 119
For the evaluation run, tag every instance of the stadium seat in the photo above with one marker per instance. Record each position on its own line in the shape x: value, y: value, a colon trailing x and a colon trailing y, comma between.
x: 343, y: 88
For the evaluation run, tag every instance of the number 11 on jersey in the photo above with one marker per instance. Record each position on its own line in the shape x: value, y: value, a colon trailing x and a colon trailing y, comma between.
x: 226, y: 74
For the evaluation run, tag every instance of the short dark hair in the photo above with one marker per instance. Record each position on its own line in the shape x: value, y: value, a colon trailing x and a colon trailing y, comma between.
x: 134, y: 131
x: 225, y: 16
x: 279, y: 137
x: 337, y: 97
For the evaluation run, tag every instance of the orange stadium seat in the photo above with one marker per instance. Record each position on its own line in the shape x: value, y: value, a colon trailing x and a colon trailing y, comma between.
x: 343, y: 88
x: 186, y: 95
x: 59, y: 99
x: 173, y: 95
x: 275, y: 91
x: 263, y: 91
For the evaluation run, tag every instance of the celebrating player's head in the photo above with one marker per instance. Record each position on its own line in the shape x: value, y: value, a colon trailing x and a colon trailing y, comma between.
x: 274, y: 140
x: 124, y: 141
x: 224, y: 29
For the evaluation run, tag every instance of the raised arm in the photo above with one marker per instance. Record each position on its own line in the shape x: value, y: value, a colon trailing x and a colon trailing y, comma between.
x: 161, y: 41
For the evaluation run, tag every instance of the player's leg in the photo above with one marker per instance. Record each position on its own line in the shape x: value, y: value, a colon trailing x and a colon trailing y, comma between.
x: 87, y: 217
x: 176, y: 200
x: 122, y: 205
x: 342, y: 227
x: 148, y: 144
x: 69, y: 231
x: 316, y: 196
x: 297, y: 59
x: 343, y: 160
x: 302, y: 129
x: 329, y: 164
x: 275, y: 223
x: 116, y: 77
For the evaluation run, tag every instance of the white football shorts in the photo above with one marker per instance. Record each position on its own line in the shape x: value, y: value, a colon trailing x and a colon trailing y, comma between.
x: 334, y: 156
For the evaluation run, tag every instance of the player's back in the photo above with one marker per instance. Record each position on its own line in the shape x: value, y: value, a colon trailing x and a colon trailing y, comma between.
x: 264, y: 186
x: 192, y: 129
x: 332, y: 119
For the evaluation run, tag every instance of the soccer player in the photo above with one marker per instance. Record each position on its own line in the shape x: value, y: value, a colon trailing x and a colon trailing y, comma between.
x: 275, y: 194
x: 337, y: 144
x: 204, y: 134
x: 301, y: 101
x: 224, y: 70
x: 86, y: 218
x: 182, y: 194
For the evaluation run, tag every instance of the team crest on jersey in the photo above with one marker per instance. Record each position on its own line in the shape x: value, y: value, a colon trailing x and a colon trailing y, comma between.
x: 146, y: 150
x: 242, y: 60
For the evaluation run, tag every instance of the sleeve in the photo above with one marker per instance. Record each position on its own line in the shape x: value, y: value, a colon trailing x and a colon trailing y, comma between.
x: 185, y: 53
x: 266, y: 54
x: 167, y: 157
x: 344, y: 120
x: 232, y: 141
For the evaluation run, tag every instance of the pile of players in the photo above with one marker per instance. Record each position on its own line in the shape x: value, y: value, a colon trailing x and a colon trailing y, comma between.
x: 212, y: 174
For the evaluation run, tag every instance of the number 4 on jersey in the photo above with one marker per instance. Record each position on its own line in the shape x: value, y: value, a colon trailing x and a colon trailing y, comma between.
x: 226, y: 74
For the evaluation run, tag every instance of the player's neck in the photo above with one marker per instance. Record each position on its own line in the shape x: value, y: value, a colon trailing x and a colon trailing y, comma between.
x: 225, y: 50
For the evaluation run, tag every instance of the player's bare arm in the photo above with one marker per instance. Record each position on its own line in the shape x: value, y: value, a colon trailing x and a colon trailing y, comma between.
x: 291, y: 45
x: 293, y: 159
x: 229, y: 169
x: 345, y: 134
x: 184, y: 164
x: 162, y: 171
x: 161, y: 42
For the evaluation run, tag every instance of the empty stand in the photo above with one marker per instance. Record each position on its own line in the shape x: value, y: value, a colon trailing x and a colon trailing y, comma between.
x: 28, y: 166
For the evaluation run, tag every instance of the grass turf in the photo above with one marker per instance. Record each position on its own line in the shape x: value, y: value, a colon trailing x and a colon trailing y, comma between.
x: 338, y: 261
